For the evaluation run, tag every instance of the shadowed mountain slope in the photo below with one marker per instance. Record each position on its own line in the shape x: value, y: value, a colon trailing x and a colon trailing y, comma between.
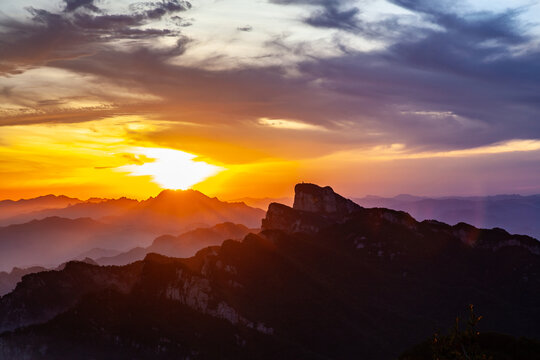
x: 184, y: 245
x: 325, y: 280
x: 51, y: 241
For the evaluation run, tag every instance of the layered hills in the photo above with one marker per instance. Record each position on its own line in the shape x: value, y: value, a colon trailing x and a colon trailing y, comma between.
x: 183, y: 245
x: 515, y: 213
x: 119, y: 225
x: 324, y: 279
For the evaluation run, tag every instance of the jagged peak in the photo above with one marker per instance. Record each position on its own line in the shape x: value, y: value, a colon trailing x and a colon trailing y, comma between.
x: 177, y: 194
x: 314, y: 198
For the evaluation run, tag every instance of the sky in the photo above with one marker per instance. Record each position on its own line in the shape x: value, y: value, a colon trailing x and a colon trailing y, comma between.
x: 243, y: 98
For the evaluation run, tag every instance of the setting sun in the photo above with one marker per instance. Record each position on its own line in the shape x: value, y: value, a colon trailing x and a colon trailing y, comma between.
x: 171, y: 169
x: 269, y: 179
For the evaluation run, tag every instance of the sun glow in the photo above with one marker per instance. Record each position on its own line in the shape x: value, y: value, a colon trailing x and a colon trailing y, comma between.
x: 171, y: 169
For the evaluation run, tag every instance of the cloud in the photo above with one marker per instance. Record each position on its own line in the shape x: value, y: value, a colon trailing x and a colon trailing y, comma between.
x: 288, y: 124
x: 245, y: 28
x: 332, y: 17
x: 156, y: 10
x: 70, y: 34
x: 331, y: 13
x: 72, y: 5
x: 454, y: 80
x: 481, y: 67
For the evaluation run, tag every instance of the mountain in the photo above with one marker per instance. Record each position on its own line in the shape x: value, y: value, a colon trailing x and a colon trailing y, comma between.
x: 95, y: 209
x: 184, y: 245
x: 262, y: 203
x: 8, y: 280
x: 11, y: 208
x: 174, y: 212
x: 97, y: 253
x: 187, y: 244
x: 51, y: 241
x: 124, y: 258
x: 325, y: 279
x: 515, y: 213
x: 169, y: 212
x: 114, y: 224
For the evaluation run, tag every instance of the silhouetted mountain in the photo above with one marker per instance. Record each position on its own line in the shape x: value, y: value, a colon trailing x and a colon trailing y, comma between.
x: 8, y: 280
x: 169, y: 212
x: 97, y: 253
x: 515, y: 213
x: 95, y: 209
x: 326, y: 279
x: 184, y: 245
x: 11, y: 208
x: 178, y: 211
x: 262, y: 203
x: 51, y: 241
x: 123, y: 224
x: 124, y: 258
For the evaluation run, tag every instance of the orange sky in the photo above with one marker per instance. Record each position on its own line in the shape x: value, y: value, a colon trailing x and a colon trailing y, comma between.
x: 244, y: 98
x: 110, y: 158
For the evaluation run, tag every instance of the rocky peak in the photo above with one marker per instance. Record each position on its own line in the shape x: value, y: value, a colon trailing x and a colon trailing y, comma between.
x: 314, y: 208
x: 322, y: 200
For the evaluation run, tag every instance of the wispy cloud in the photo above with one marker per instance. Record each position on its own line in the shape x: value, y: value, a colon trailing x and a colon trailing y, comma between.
x: 288, y: 124
x: 442, y: 81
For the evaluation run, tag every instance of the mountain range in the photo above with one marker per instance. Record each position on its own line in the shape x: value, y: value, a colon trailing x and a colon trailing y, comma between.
x: 323, y: 279
x: 11, y: 209
x: 183, y: 245
x: 59, y: 234
x: 515, y: 213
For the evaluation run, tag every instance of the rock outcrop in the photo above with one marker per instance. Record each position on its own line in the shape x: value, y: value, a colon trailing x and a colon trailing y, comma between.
x: 322, y: 200
x: 314, y: 208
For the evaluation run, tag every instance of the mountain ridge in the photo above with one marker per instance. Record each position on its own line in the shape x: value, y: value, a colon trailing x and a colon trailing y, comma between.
x: 366, y: 285
x: 124, y: 225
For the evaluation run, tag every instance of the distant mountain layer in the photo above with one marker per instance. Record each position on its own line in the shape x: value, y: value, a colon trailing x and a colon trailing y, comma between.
x: 12, y: 209
x: 169, y: 211
x: 514, y: 213
x: 96, y: 209
x: 325, y: 279
x: 53, y: 240
x: 114, y: 224
x: 262, y: 203
x: 8, y: 280
x: 184, y: 245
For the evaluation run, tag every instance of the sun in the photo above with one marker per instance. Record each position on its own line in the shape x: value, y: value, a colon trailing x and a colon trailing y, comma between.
x: 169, y: 168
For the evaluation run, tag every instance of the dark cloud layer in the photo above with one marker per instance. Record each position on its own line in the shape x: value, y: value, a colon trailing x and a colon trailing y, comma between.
x: 459, y: 84
x: 245, y: 28
x: 73, y: 33
x: 331, y: 13
x: 72, y: 5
